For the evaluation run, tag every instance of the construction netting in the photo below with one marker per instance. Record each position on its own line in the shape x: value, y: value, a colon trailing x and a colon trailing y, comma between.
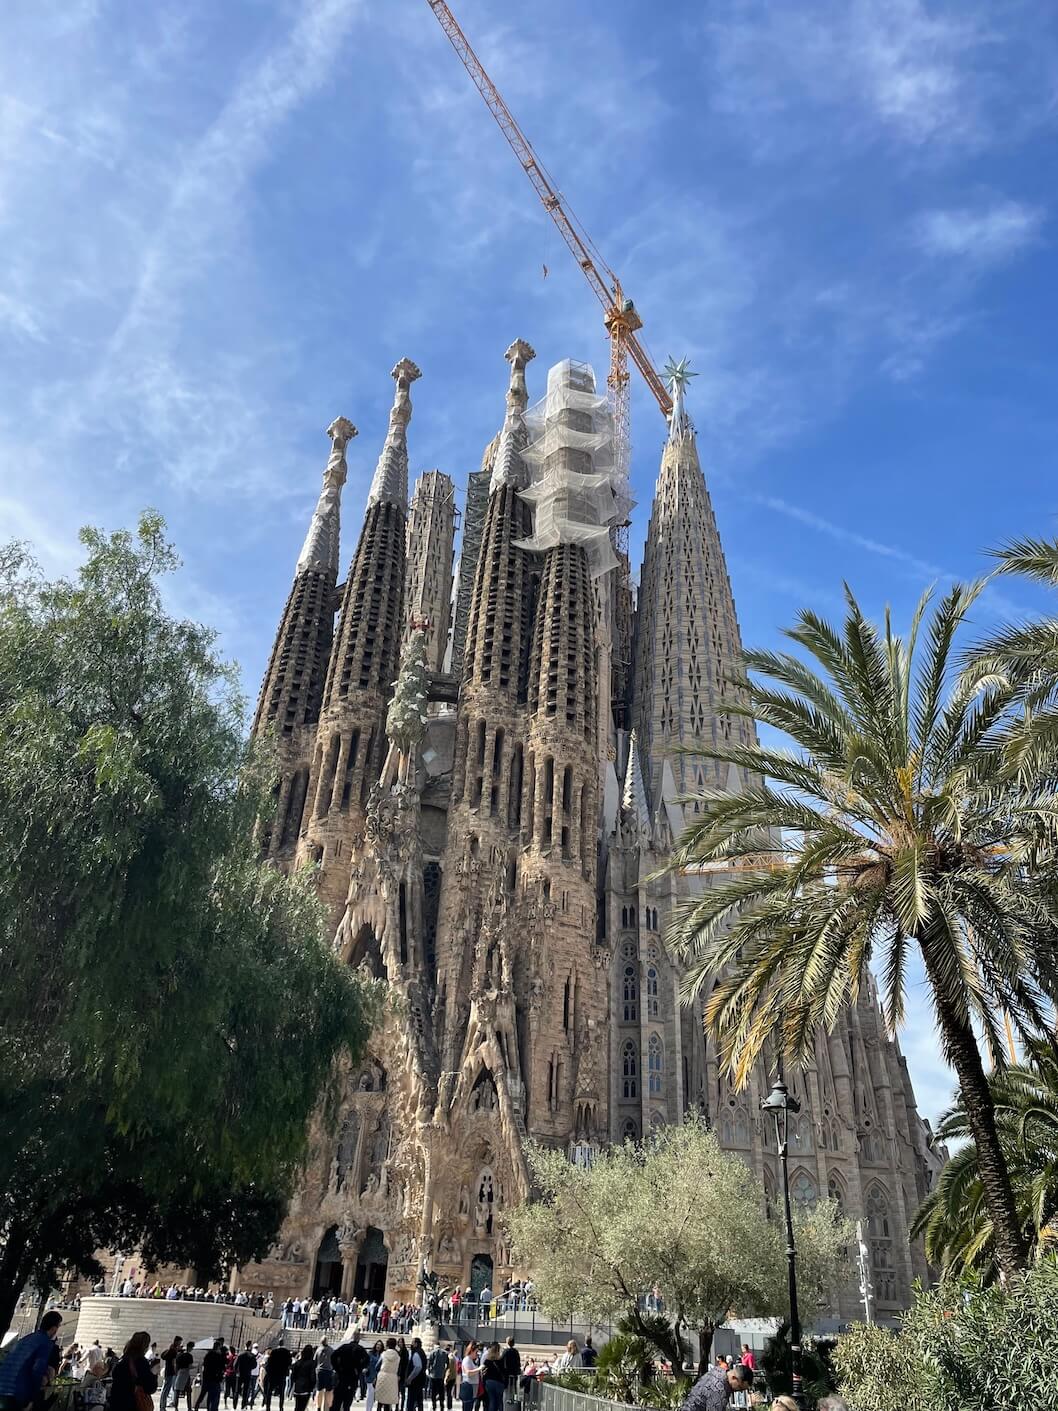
x: 576, y: 489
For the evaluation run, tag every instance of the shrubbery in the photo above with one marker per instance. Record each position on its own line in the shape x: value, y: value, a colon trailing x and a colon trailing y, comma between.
x: 961, y: 1348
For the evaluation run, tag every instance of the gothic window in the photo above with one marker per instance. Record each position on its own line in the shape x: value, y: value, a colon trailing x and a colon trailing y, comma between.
x: 629, y: 1130
x: 632, y: 915
x: 880, y: 1244
x: 655, y: 1062
x: 740, y: 1133
x: 801, y: 1133
x: 803, y: 1190
x: 652, y: 992
x: 624, y: 916
x: 630, y: 1069
x: 835, y: 1192
x: 631, y: 1005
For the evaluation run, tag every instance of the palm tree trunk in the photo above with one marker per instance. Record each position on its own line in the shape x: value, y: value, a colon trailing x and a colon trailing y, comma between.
x: 962, y: 1052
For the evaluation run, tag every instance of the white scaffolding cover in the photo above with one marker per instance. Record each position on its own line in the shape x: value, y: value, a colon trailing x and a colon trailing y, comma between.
x: 575, y: 488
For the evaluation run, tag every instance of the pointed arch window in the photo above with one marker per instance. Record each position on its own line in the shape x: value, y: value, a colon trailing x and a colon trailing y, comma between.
x: 880, y: 1243
x: 652, y: 992
x: 630, y: 994
x: 655, y: 1063
x: 630, y: 1070
x: 803, y: 1190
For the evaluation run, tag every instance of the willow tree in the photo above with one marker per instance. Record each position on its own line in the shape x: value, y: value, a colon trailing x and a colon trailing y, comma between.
x: 170, y: 1011
x: 893, y: 826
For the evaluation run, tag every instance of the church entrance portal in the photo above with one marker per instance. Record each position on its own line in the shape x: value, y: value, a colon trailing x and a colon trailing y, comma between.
x: 481, y: 1273
x: 328, y: 1277
x: 371, y: 1267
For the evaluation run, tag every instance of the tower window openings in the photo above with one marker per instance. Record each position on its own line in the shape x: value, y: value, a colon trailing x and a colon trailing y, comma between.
x: 549, y: 802
x: 565, y: 1005
x: 514, y: 789
x: 350, y: 769
x: 567, y: 790
x: 630, y: 994
x: 497, y: 772
x: 530, y: 797
x: 629, y: 1070
x: 655, y: 1063
x: 653, y: 1005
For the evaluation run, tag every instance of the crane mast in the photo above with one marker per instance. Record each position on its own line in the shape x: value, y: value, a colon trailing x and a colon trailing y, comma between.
x: 619, y: 314
x: 613, y: 603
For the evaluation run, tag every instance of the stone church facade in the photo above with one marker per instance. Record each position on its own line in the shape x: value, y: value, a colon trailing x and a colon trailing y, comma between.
x: 481, y: 766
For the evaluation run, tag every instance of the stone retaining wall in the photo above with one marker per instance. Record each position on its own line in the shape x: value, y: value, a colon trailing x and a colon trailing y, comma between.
x: 114, y: 1320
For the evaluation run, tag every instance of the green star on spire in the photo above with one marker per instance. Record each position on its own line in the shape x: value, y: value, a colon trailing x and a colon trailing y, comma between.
x: 678, y: 374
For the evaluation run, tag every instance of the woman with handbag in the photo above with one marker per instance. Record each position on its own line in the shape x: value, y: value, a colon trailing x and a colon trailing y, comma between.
x: 133, y: 1383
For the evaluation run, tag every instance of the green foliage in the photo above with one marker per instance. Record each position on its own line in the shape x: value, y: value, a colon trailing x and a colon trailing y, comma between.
x: 961, y: 1348
x: 679, y: 1213
x: 170, y: 1012
x: 880, y: 1371
x: 902, y: 819
x: 954, y: 1219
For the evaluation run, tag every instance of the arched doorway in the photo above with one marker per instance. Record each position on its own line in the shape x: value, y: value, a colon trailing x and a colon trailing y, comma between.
x: 481, y: 1273
x: 371, y: 1267
x: 328, y: 1276
x: 367, y: 952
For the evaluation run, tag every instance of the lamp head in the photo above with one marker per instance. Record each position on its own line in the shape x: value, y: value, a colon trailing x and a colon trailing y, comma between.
x: 779, y: 1100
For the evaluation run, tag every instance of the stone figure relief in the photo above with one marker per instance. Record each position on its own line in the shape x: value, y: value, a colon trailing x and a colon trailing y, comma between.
x: 448, y: 1250
x: 485, y: 1203
x: 464, y: 1202
x: 343, y: 1171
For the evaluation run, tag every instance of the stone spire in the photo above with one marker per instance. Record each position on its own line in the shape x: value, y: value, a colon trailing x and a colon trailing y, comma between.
x: 508, y: 468
x: 389, y: 485
x: 293, y: 686
x: 350, y: 743
x: 320, y: 549
x: 688, y: 646
x: 498, y: 626
x: 634, y: 795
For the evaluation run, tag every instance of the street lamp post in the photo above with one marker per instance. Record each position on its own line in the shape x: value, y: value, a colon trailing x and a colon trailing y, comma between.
x: 780, y: 1104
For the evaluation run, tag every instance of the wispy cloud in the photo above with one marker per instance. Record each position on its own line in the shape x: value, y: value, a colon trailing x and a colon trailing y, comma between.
x: 983, y: 235
x: 894, y: 67
x: 848, y: 536
x: 994, y: 602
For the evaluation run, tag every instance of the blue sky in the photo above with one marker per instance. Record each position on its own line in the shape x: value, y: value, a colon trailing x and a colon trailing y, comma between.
x: 222, y: 224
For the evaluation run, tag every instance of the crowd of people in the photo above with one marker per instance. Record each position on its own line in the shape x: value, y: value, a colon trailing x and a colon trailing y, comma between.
x: 334, y: 1314
x: 390, y: 1373
x: 263, y: 1303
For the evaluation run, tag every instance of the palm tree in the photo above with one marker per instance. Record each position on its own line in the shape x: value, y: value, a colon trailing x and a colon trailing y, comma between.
x: 954, y: 1219
x: 894, y: 825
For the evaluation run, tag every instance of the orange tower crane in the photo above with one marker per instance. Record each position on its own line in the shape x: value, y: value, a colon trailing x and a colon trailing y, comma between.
x: 619, y: 314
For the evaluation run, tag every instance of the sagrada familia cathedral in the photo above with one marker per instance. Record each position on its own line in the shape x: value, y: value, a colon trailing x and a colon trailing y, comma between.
x: 479, y: 759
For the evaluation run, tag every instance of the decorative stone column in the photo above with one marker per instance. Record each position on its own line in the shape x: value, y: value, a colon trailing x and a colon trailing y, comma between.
x: 350, y: 1242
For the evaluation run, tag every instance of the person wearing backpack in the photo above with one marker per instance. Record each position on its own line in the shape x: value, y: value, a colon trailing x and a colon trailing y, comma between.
x: 437, y: 1370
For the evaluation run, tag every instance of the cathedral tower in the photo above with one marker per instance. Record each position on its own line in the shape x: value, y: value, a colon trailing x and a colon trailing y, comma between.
x: 687, y: 639
x: 486, y: 798
x: 572, y: 498
x: 292, y: 691
x: 350, y: 739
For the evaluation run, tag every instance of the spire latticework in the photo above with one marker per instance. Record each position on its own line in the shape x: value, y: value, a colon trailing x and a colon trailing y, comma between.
x: 688, y: 647
x: 292, y: 690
